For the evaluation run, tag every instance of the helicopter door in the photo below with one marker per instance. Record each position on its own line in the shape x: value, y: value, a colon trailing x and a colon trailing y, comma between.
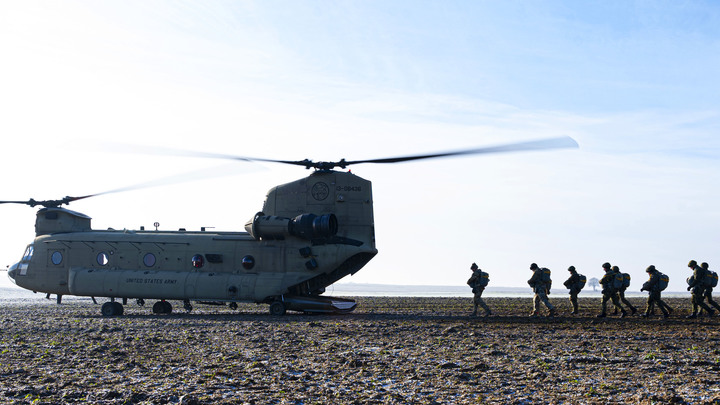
x: 57, y: 264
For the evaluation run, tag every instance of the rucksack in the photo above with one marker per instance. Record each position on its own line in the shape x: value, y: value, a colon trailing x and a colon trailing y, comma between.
x: 618, y: 281
x: 580, y: 284
x: 483, y: 280
x: 626, y: 280
x: 711, y: 279
x: 546, y: 275
x: 664, y: 281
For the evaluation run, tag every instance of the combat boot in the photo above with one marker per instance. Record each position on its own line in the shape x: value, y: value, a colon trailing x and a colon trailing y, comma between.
x: 602, y: 315
x: 552, y: 313
x: 534, y: 314
x: 691, y: 316
x: 624, y: 314
x: 487, y: 314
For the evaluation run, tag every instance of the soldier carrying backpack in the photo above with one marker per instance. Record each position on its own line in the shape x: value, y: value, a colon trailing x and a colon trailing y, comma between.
x: 610, y: 286
x: 711, y: 281
x: 655, y: 284
x: 622, y: 280
x: 575, y: 284
x: 697, y: 283
x: 478, y: 281
x: 540, y: 283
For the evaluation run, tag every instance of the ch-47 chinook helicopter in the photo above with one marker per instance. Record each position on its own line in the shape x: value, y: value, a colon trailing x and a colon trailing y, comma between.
x: 310, y: 233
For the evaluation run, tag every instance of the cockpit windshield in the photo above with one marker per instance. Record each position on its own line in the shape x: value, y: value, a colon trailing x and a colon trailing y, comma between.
x: 28, y: 253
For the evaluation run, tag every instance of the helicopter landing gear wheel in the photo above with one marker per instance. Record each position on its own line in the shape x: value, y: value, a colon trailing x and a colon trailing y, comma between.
x: 162, y: 307
x: 277, y: 308
x: 112, y: 309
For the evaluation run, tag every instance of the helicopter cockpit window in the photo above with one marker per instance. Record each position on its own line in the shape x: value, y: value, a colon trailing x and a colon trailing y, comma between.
x: 28, y: 253
x: 103, y: 258
x: 56, y: 258
x: 198, y: 261
x: 149, y: 260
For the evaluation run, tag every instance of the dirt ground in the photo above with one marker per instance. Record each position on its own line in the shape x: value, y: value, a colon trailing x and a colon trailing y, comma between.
x: 390, y: 350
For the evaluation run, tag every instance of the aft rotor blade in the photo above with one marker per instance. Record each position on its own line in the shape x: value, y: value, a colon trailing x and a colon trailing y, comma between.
x: 166, y: 151
x: 551, y: 143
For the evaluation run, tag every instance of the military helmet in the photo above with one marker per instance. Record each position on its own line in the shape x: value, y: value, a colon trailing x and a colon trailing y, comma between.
x: 473, y: 266
x: 533, y: 266
x: 704, y: 265
x: 606, y: 265
x: 650, y: 268
x: 571, y: 268
x: 692, y: 263
x: 616, y: 269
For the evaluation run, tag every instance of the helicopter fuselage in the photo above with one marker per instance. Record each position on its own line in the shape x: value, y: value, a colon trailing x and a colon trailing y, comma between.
x: 311, y: 233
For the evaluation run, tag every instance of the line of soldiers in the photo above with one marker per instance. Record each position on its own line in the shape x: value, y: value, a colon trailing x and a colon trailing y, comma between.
x: 614, y: 284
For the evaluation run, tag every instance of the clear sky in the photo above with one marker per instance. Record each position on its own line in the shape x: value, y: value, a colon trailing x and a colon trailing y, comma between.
x: 634, y: 82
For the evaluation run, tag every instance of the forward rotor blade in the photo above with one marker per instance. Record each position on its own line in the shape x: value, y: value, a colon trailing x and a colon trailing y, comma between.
x: 195, y: 175
x: 47, y: 203
x: 213, y: 172
x: 28, y: 202
x: 551, y: 143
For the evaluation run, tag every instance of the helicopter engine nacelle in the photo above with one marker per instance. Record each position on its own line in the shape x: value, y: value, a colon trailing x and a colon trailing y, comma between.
x: 305, y: 226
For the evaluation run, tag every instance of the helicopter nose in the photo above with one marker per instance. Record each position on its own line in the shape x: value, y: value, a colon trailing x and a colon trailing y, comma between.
x: 12, y: 271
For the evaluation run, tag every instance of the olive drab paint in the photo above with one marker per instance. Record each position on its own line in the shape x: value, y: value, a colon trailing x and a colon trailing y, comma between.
x: 311, y: 233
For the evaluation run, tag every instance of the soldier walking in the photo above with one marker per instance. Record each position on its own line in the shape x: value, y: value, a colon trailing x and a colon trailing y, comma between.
x: 610, y: 292
x: 709, y: 286
x: 540, y: 282
x: 624, y: 286
x: 696, y: 283
x: 478, y: 281
x: 575, y: 284
x: 654, y: 286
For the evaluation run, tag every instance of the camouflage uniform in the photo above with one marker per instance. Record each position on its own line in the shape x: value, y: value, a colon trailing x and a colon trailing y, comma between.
x: 653, y: 287
x: 609, y: 292
x: 621, y: 294
x: 709, y: 289
x: 697, y: 285
x: 541, y: 289
x: 474, y: 283
x: 571, y: 284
